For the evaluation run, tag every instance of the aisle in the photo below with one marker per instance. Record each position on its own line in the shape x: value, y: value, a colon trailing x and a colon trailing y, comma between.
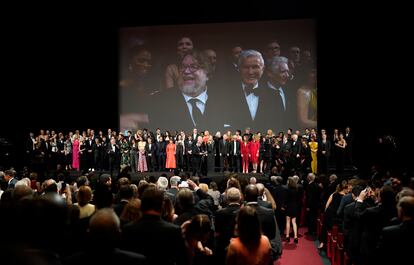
x: 304, y: 253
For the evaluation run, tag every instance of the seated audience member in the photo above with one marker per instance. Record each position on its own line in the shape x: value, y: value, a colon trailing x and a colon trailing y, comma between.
x: 104, y: 232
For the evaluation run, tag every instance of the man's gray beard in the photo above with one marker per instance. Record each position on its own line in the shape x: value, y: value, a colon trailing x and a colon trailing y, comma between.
x: 192, y: 91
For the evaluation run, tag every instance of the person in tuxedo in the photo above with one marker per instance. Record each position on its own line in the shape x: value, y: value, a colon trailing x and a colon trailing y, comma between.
x: 197, y: 151
x: 114, y: 156
x: 324, y: 151
x: 160, y: 152
x: 295, y: 151
x: 235, y: 154
x: 191, y: 104
x: 247, y: 96
x: 224, y: 150
x: 282, y: 95
x: 150, y: 150
x: 348, y: 149
x: 188, y: 146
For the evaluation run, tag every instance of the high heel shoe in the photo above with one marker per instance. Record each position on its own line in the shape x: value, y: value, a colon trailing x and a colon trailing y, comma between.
x: 320, y: 247
x: 287, y: 239
x: 295, y: 240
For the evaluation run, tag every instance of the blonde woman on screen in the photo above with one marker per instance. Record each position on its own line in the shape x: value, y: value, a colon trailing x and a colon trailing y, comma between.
x: 307, y: 101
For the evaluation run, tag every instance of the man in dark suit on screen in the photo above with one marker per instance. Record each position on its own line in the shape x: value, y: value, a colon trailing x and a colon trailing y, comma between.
x: 191, y: 105
x: 250, y: 100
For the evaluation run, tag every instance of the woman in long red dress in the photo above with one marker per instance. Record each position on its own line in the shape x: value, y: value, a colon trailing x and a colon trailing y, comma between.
x: 245, y: 153
x: 170, y: 150
x: 254, y: 151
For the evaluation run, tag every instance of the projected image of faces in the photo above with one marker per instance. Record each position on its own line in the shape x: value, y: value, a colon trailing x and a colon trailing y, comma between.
x: 219, y: 77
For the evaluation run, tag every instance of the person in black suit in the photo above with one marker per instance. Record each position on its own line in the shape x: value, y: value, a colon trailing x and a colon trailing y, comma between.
x: 267, y: 220
x: 249, y: 99
x: 114, y: 156
x: 324, y: 152
x: 190, y: 105
x: 225, y: 222
x: 295, y: 152
x: 313, y: 196
x: 395, y: 246
x: 151, y: 151
x: 197, y: 151
x: 284, y: 99
x: 160, y: 152
x: 224, y: 152
x: 235, y: 154
x: 349, y: 137
x: 104, y: 226
x: 159, y: 241
x: 9, y: 178
x: 352, y: 228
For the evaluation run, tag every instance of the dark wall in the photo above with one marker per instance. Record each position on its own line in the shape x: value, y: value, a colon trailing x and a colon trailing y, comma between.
x: 62, y: 67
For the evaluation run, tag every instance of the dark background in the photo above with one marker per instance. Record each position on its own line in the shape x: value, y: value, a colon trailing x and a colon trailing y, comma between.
x: 60, y: 65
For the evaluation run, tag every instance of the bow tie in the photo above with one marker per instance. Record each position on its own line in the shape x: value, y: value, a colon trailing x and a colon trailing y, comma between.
x: 251, y: 90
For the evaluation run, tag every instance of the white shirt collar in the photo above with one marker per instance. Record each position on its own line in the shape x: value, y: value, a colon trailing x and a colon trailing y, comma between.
x: 202, y: 97
x: 273, y: 87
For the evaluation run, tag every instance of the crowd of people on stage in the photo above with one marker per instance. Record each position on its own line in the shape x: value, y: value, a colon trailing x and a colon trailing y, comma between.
x: 198, y: 152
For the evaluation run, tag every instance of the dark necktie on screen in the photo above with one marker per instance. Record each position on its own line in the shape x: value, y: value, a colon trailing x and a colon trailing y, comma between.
x: 196, y: 113
x: 282, y: 98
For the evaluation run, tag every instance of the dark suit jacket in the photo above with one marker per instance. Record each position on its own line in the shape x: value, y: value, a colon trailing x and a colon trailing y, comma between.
x: 373, y: 219
x: 313, y: 196
x: 238, y: 114
x: 283, y: 119
x: 231, y: 151
x: 159, y: 241
x: 170, y: 111
x: 12, y: 183
x: 225, y: 223
x: 112, y: 256
x: 395, y: 246
x: 267, y: 220
x: 352, y: 230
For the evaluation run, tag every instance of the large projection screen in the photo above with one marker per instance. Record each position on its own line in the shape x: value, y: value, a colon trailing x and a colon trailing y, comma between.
x: 219, y: 76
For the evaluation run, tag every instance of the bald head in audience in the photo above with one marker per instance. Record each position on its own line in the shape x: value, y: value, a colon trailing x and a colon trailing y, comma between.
x: 252, y: 193
x: 104, y: 226
x: 406, y: 208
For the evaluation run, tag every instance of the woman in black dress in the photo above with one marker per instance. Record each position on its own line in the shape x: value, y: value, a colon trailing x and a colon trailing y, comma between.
x: 292, y: 208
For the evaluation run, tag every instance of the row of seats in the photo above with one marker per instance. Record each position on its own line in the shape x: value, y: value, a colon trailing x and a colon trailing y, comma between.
x: 335, y: 250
